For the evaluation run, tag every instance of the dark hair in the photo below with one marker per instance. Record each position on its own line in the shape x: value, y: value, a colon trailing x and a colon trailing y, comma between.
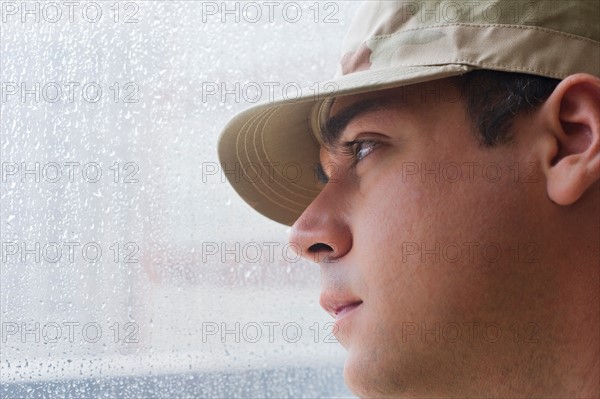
x: 494, y: 98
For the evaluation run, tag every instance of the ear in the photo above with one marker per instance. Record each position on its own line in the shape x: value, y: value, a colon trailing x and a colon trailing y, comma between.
x: 572, y: 113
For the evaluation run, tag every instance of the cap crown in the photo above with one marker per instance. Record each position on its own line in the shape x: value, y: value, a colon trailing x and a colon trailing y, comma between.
x: 545, y: 37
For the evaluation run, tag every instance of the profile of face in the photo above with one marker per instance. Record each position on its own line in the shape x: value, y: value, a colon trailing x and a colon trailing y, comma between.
x: 453, y: 268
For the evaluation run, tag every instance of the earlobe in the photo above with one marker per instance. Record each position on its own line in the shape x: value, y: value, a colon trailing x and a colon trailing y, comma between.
x: 573, y: 110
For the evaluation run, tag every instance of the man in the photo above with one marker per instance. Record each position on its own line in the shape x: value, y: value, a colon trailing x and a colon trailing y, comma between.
x: 456, y: 217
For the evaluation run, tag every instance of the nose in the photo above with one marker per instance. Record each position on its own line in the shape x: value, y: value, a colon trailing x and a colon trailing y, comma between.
x: 322, y: 233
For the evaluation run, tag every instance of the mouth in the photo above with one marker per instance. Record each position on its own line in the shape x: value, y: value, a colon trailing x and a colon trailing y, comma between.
x: 345, y: 309
x: 339, y: 307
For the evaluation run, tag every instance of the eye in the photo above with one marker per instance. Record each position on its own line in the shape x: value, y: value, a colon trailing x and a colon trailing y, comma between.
x: 363, y: 148
x: 359, y: 149
x: 355, y: 150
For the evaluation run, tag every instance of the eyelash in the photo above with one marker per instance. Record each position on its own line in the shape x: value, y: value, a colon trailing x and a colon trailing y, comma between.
x: 348, y: 149
x: 353, y: 148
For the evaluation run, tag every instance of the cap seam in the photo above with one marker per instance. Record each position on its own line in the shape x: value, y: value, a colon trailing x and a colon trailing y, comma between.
x: 503, y: 26
x: 249, y: 133
x: 310, y: 191
x: 487, y: 64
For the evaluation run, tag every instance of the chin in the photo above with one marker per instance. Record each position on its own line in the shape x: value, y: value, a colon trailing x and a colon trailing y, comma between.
x: 367, y: 376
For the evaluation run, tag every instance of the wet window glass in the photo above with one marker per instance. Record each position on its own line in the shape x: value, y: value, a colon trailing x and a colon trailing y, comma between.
x: 129, y: 266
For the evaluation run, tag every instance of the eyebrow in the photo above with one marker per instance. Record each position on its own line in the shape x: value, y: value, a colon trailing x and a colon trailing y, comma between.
x: 335, y: 125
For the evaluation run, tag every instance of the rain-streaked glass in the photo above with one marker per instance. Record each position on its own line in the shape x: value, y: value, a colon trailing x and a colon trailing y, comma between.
x: 129, y: 266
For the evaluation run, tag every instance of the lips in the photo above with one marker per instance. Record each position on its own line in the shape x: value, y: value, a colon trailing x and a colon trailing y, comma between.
x: 338, y: 305
x: 340, y: 312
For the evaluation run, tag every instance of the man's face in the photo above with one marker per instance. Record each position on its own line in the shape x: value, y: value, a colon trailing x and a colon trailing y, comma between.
x: 425, y: 240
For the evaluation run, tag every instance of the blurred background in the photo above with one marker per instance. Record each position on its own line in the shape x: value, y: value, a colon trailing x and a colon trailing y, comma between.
x: 129, y: 267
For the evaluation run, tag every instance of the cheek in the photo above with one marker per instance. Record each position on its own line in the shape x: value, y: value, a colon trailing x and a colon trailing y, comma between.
x: 392, y: 216
x: 406, y: 231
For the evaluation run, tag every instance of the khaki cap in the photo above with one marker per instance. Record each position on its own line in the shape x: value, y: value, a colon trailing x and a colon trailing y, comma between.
x: 270, y: 151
